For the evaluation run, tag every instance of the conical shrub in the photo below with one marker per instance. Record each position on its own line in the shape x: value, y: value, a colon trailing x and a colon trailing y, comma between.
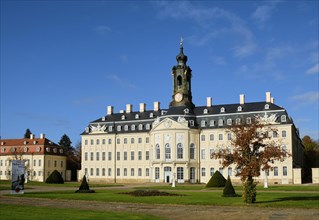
x: 217, y: 180
x: 84, y: 187
x: 55, y: 178
x: 229, y: 190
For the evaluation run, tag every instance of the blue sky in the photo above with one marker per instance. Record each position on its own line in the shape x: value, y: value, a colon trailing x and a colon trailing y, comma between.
x: 64, y: 62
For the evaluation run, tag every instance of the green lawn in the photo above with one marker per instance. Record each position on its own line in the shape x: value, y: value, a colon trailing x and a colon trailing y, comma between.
x: 264, y: 199
x: 46, y: 213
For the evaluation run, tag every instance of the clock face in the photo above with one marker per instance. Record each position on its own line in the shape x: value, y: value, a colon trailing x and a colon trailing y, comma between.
x: 178, y: 97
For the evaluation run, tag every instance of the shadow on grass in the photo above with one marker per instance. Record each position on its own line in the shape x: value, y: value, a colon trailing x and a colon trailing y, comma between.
x: 295, y: 198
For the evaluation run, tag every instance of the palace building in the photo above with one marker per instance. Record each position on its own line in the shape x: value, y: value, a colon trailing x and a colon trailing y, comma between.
x: 41, y: 157
x: 159, y: 145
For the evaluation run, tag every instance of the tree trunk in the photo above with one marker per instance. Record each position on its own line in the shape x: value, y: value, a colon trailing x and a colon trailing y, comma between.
x: 249, y: 192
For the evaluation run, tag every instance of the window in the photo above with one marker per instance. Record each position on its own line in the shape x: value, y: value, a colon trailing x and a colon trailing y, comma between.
x: 284, y: 134
x: 34, y: 162
x: 229, y: 136
x: 179, y: 151
x: 230, y: 171
x: 192, y: 151
x: 284, y: 171
x: 103, y: 171
x: 222, y: 109
x: 118, y: 172
x: 203, y: 171
x: 109, y: 141
x: 157, y: 172
x: 221, y: 170
x: 118, y: 141
x: 267, y: 172
x: 139, y: 140
x: 211, y: 123
x: 133, y: 127
x: 212, y: 171
x: 167, y: 151
x: 109, y: 172
x: 147, y: 140
x: 275, y: 134
x: 91, y: 172
x: 109, y: 155
x: 180, y: 173
x: 125, y: 171
x: 86, y: 142
x: 140, y: 155
x: 203, y: 123
x: 283, y: 118
x: 140, y: 127
x: 147, y: 155
x: 239, y: 108
x: 97, y: 171
x: 86, y: 156
x: 211, y: 151
x: 92, y: 156
x: 132, y: 140
x: 157, y: 152
x: 110, y: 128
x: 125, y: 140
x: 55, y: 163
x: 103, y: 141
x: 248, y: 120
x: 229, y: 121
x: 205, y: 111
x: 202, y: 137
x: 125, y: 127
x: 125, y: 155
x: 220, y: 137
x: 266, y: 106
x: 284, y: 148
x: 151, y: 115
x: 118, y: 155
x: 132, y: 171
x: 203, y: 154
x: 137, y: 116
x: 39, y: 173
x: 211, y: 137
x: 97, y: 155
x: 220, y: 122
x: 191, y: 122
x: 92, y: 142
x: 147, y: 172
x: 123, y: 117
x: 97, y: 141
x: 48, y: 163
x: 119, y: 128
x: 139, y: 172
x: 237, y: 121
x: 132, y: 155
x: 148, y: 126
x: 275, y: 171
x: 103, y: 156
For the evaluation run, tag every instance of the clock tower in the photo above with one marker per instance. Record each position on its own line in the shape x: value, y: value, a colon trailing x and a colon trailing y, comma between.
x: 182, y: 75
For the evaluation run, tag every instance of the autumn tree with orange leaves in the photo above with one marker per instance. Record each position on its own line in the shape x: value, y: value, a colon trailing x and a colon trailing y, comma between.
x: 252, y: 150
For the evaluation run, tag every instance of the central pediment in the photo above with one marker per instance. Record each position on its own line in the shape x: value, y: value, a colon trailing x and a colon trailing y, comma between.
x: 170, y: 123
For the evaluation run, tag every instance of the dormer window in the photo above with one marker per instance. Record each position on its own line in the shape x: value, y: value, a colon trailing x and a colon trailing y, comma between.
x: 239, y: 108
x: 140, y: 127
x: 3, y: 150
x: 229, y: 121
x: 186, y: 110
x: 133, y: 127
x: 25, y: 142
x: 25, y: 149
x: 123, y: 117
x: 2, y: 143
x: 125, y: 127
x: 220, y: 122
x: 203, y: 123
x: 211, y: 123
x: 47, y: 149
x: 148, y: 126
x: 222, y: 109
x: 191, y: 122
x: 248, y: 120
x: 283, y: 118
x: 103, y: 118
x: 118, y: 128
x: 110, y: 128
x: 55, y: 150
x: 151, y: 115
x: 266, y: 106
x: 237, y: 121
x: 61, y: 151
x: 205, y: 111
x: 137, y: 116
x: 34, y: 142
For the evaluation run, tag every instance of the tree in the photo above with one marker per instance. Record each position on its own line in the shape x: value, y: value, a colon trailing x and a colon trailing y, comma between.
x: 27, y: 133
x: 311, y: 157
x: 65, y: 142
x: 253, y: 151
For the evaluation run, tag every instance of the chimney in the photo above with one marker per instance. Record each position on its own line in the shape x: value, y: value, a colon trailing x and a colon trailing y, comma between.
x: 268, y: 97
x: 42, y: 136
x: 128, y: 108
x: 241, y: 99
x: 209, y: 101
x: 142, y: 107
x: 122, y: 111
x: 157, y: 106
x: 31, y: 136
x: 272, y: 100
x: 110, y: 110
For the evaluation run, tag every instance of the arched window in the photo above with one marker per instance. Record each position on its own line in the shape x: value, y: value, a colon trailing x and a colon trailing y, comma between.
x: 266, y: 106
x: 237, y: 121
x: 211, y: 123
x: 140, y: 127
x: 133, y: 127
x: 229, y: 121
x: 125, y: 127
x: 167, y: 151
x: 248, y: 120
x: 157, y: 152
x: 179, y: 80
x: 192, y: 151
x: 220, y: 122
x: 239, y: 108
x: 179, y: 151
x: 222, y: 109
x: 203, y: 123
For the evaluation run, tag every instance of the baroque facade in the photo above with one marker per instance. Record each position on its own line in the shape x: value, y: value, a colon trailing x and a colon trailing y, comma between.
x: 159, y: 145
x: 41, y: 157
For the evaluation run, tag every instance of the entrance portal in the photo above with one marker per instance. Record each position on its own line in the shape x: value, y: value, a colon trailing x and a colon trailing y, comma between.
x: 167, y: 174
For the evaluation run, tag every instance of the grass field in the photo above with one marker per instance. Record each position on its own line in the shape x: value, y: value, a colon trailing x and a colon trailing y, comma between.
x: 46, y: 213
x: 264, y: 199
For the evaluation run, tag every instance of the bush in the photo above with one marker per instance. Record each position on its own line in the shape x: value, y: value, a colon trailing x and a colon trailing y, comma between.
x: 229, y: 190
x: 55, y: 178
x: 249, y: 192
x: 217, y: 180
x: 84, y: 187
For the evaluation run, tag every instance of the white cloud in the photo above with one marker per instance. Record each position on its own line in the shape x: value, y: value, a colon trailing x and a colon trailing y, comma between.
x: 306, y: 98
x: 313, y: 70
x: 121, y: 81
x: 263, y: 13
x: 102, y: 29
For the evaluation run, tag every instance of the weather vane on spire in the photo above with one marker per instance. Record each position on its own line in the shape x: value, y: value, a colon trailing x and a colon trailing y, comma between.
x: 181, y: 43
